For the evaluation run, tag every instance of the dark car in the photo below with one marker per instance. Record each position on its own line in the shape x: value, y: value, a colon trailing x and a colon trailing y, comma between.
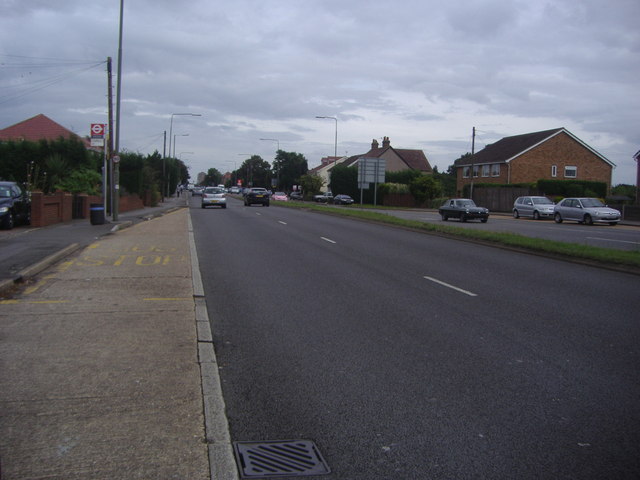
x: 342, y: 200
x: 297, y: 195
x: 464, y: 209
x: 15, y: 205
x: 257, y: 195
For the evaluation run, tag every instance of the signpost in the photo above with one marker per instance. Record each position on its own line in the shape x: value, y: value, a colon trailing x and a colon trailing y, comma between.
x: 371, y: 170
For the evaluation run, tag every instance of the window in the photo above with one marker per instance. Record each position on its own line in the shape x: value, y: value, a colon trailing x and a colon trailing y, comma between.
x: 485, y: 170
x: 495, y: 170
x: 465, y: 172
x: 554, y: 170
x: 571, y: 172
x: 476, y: 171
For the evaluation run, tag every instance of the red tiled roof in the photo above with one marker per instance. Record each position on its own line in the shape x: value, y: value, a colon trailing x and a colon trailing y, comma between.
x: 36, y: 128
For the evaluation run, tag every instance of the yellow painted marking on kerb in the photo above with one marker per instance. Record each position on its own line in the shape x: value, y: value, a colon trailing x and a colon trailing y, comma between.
x: 170, y: 299
x: 49, y: 301
x: 16, y: 302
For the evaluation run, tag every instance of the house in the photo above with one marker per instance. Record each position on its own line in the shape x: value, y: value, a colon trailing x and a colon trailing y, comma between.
x: 550, y: 154
x: 324, y: 169
x: 396, y: 159
x: 38, y: 128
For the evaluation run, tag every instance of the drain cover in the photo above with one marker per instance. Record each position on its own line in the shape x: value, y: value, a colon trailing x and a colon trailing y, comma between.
x: 288, y: 458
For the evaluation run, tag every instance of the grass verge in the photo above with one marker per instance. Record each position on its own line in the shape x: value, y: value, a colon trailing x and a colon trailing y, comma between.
x: 603, y: 256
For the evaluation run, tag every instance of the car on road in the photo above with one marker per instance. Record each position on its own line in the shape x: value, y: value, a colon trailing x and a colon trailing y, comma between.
x: 342, y: 199
x: 296, y: 195
x: 585, y: 210
x: 213, y: 196
x: 464, y: 209
x: 281, y: 196
x: 325, y: 197
x: 197, y: 191
x: 535, y: 207
x: 15, y: 205
x: 256, y: 195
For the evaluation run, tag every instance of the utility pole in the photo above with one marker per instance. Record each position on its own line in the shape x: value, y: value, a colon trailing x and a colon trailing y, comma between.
x: 109, y: 146
x: 116, y: 158
x: 473, y: 144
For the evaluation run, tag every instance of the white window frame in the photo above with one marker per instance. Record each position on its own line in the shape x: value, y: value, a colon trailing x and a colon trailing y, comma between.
x: 570, y: 168
x: 554, y: 171
x: 476, y: 171
x: 465, y: 172
x: 486, y: 170
x: 495, y: 170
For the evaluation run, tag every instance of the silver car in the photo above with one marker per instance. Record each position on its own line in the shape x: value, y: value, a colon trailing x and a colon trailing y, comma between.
x: 212, y: 196
x: 534, y: 207
x: 585, y: 210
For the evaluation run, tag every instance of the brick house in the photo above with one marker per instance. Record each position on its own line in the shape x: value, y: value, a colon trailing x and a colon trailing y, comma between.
x: 551, y: 154
x: 396, y: 159
x: 38, y: 128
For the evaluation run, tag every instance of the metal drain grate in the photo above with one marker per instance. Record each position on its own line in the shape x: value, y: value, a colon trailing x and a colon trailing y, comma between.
x: 287, y: 458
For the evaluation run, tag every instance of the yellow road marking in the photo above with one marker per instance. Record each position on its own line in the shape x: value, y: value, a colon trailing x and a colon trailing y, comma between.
x: 170, y: 299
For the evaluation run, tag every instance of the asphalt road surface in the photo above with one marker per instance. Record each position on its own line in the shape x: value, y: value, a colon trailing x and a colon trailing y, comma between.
x: 409, y: 356
x: 621, y: 237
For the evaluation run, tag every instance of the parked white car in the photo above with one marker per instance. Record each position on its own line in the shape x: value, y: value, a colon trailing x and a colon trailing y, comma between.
x: 534, y: 207
x: 585, y: 210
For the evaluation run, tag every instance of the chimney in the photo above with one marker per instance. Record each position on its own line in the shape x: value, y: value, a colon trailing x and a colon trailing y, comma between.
x: 374, y: 144
x: 385, y: 142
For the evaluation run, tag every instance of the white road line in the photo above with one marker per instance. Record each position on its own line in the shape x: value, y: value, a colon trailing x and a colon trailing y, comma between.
x: 612, y: 240
x: 327, y: 240
x: 466, y: 292
x: 283, y: 223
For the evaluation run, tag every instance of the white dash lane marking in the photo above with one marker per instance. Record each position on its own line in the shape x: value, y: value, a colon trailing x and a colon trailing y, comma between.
x: 283, y: 223
x: 440, y: 282
x: 612, y: 240
x: 327, y: 240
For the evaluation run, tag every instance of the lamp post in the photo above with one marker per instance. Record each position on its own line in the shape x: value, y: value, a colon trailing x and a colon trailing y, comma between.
x: 170, y: 133
x: 249, y: 166
x: 335, y: 146
x: 174, y: 142
x: 171, y: 124
x: 278, y: 142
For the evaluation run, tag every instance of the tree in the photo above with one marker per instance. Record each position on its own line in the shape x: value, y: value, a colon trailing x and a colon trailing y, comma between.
x: 344, y: 180
x: 287, y: 168
x: 311, y: 184
x: 425, y: 188
x: 213, y: 177
x: 255, y: 172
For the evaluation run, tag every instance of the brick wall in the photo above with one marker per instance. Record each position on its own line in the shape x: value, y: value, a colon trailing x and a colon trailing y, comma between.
x: 50, y: 209
x: 59, y: 208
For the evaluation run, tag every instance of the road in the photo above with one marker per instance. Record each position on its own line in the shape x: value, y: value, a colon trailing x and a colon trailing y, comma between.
x: 404, y: 355
x: 621, y: 237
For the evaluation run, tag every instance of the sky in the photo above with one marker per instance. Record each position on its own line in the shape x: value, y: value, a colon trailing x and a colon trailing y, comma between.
x: 423, y: 73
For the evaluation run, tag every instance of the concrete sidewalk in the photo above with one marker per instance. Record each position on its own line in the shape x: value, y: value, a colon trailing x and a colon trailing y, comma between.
x: 107, y: 368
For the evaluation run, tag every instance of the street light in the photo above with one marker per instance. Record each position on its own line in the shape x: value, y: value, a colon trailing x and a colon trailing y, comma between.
x: 171, y: 125
x: 335, y: 148
x: 174, y: 142
x: 278, y: 142
x: 273, y: 140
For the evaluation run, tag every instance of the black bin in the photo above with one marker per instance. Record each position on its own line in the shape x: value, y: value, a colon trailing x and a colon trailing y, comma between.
x: 96, y: 213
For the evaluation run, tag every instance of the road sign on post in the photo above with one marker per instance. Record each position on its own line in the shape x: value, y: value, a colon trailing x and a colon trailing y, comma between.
x: 97, y: 134
x: 371, y: 170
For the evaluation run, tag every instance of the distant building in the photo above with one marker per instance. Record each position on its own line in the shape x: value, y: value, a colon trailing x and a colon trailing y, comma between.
x: 396, y: 159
